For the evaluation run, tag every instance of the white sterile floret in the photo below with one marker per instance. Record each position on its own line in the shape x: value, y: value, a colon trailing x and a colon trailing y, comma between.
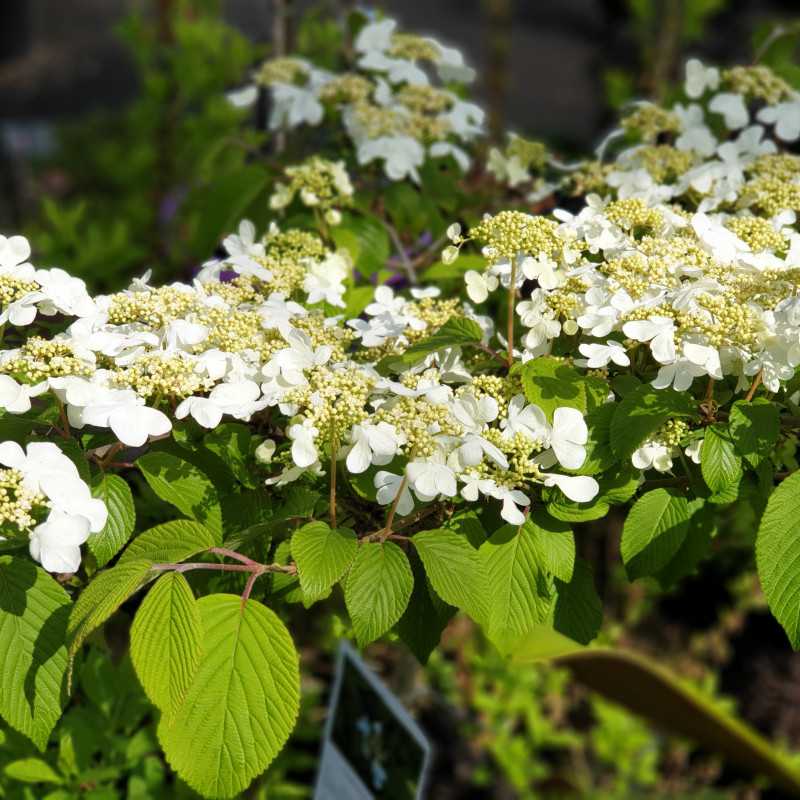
x: 659, y: 332
x: 429, y: 479
x: 479, y: 285
x: 578, y: 488
x: 73, y: 513
x: 304, y: 450
x: 525, y: 418
x: 291, y: 362
x: 324, y: 280
x: 372, y: 444
x: 568, y: 437
x: 785, y: 117
x: 700, y: 78
x: 389, y: 486
x: 599, y: 355
x: 240, y: 399
x: 122, y: 410
x: 653, y: 455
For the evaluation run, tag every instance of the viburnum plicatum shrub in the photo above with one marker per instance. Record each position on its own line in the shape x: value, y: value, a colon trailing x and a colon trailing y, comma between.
x: 415, y: 452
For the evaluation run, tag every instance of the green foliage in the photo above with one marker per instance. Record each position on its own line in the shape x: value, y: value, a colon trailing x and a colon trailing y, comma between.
x: 777, y: 552
x: 549, y: 383
x: 165, y: 641
x: 455, y: 570
x: 241, y: 705
x: 322, y: 554
x: 455, y: 332
x: 33, y: 656
x: 377, y: 589
x: 654, y: 530
x: 641, y: 412
x: 185, y: 486
x: 116, y: 494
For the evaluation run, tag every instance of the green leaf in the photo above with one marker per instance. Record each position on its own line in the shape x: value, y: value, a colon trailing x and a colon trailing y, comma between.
x: 695, y: 547
x: 550, y: 383
x: 425, y: 618
x: 455, y: 271
x: 116, y: 494
x: 778, y: 554
x: 578, y: 611
x: 521, y: 585
x: 32, y: 770
x: 754, y: 428
x: 455, y: 570
x: 719, y: 464
x: 242, y: 704
x: 456, y: 331
x: 184, y: 486
x: 231, y: 443
x: 166, y: 641
x: 646, y: 688
x: 377, y: 589
x: 170, y: 542
x: 599, y: 454
x: 367, y: 241
x: 222, y: 204
x: 642, y: 412
x: 106, y: 592
x: 653, y: 532
x: 322, y: 554
x: 33, y: 656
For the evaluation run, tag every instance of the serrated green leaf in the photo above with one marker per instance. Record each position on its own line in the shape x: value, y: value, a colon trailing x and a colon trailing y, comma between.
x: 184, y: 486
x: 519, y: 563
x: 653, y: 532
x: 322, y: 554
x: 166, y: 641
x: 599, y: 454
x: 242, y: 704
x: 778, y: 554
x: 117, y: 496
x: 578, y: 611
x: 455, y: 570
x: 720, y: 465
x: 230, y: 442
x: 702, y: 529
x: 33, y: 656
x: 550, y: 384
x: 106, y: 592
x: 367, y: 241
x: 170, y: 542
x: 641, y: 412
x: 425, y: 618
x: 32, y: 770
x: 456, y: 331
x: 377, y: 589
x: 754, y: 428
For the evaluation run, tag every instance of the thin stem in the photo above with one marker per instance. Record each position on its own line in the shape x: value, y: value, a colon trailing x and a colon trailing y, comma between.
x: 489, y: 351
x: 332, y: 510
x: 401, y: 252
x: 512, y: 296
x: 109, y: 455
x: 224, y: 551
x: 387, y: 528
x: 753, y: 386
x: 188, y: 566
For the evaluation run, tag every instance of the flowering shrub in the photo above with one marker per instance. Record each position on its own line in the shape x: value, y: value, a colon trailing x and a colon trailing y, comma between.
x: 427, y: 452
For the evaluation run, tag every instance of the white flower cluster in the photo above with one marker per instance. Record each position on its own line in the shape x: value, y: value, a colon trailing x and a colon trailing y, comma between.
x: 387, y: 103
x: 147, y: 356
x: 690, y: 258
x: 43, y: 497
